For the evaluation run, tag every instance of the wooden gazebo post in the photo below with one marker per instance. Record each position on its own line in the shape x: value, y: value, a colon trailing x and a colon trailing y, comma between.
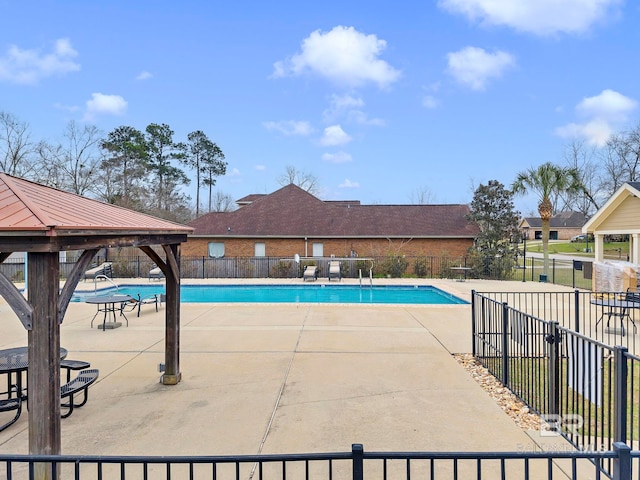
x: 172, y: 375
x: 44, y: 358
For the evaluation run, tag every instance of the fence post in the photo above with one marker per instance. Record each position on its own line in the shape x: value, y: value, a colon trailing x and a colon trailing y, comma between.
x: 577, y: 310
x: 357, y: 450
x: 473, y: 323
x: 620, y: 406
x: 622, y: 461
x: 505, y: 344
x: 553, y: 339
x: 553, y: 270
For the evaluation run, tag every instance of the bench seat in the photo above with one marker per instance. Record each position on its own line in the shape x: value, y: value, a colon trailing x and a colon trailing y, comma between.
x: 79, y: 384
x: 69, y: 365
x: 8, y: 405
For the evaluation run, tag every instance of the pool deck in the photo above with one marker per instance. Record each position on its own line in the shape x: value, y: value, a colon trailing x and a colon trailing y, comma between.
x: 274, y: 378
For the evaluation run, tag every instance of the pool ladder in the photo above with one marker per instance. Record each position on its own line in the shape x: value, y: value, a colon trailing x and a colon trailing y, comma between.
x: 370, y: 277
x: 95, y: 284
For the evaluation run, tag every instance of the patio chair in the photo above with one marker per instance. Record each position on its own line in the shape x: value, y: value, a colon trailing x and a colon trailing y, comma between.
x: 104, y: 269
x: 334, y: 270
x: 136, y: 303
x: 310, y: 273
x: 155, y: 273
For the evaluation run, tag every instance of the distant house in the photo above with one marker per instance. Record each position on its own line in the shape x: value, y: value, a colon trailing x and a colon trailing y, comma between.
x: 563, y: 226
x: 291, y: 221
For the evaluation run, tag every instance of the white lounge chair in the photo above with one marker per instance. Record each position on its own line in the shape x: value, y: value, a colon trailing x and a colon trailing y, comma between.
x: 156, y: 272
x: 334, y: 270
x: 310, y: 273
x: 103, y: 269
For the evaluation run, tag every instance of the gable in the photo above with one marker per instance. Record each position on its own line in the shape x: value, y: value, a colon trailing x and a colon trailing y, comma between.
x: 619, y: 215
x: 624, y: 219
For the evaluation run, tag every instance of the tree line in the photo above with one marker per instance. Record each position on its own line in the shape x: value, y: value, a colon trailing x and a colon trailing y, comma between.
x: 141, y: 170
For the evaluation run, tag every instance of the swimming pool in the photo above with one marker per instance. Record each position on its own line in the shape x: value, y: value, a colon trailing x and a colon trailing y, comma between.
x: 293, y: 294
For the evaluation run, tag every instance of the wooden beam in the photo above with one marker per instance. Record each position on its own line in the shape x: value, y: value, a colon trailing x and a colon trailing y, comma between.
x: 173, y: 261
x: 16, y: 301
x: 43, y: 382
x: 72, y: 281
x: 151, y: 253
x: 85, y: 242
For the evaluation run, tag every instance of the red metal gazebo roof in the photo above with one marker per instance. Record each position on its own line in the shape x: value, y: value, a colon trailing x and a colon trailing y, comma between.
x: 30, y: 207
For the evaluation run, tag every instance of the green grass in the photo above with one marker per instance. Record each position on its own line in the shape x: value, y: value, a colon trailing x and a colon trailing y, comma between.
x: 528, y: 378
x: 611, y: 249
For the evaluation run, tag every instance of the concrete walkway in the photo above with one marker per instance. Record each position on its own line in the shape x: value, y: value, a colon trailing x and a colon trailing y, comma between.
x: 281, y: 378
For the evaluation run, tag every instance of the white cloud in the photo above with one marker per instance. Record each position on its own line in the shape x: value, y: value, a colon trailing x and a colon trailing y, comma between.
x: 609, y: 105
x: 474, y: 67
x: 144, y: 75
x: 338, y: 157
x: 234, y: 172
x: 101, y: 104
x: 260, y: 168
x: 429, y: 101
x: 290, y: 127
x: 334, y: 135
x: 349, y: 184
x: 603, y: 114
x: 540, y: 17
x: 342, y: 55
x: 30, y: 66
x: 349, y: 107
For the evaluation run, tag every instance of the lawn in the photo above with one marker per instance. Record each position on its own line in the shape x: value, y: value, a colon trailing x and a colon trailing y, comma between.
x: 612, y: 250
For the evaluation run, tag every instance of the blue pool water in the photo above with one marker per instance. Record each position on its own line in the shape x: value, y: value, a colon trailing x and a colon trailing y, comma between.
x: 293, y: 294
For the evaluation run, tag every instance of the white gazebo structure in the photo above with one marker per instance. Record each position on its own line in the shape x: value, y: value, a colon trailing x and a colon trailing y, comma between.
x: 619, y: 216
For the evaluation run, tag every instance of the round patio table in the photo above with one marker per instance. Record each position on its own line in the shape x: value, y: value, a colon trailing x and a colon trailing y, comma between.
x: 15, y: 361
x: 107, y: 305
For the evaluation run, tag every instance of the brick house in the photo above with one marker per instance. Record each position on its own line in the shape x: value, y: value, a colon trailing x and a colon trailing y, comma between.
x: 562, y: 226
x: 291, y: 221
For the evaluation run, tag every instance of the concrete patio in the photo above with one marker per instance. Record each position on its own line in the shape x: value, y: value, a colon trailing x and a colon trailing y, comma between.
x: 282, y: 378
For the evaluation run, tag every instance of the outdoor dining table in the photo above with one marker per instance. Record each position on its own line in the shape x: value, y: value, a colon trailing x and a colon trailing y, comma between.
x: 462, y: 271
x: 614, y: 307
x: 15, y: 362
x: 108, y: 305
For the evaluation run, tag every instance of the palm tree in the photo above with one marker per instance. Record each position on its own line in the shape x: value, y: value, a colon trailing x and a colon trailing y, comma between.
x: 547, y: 181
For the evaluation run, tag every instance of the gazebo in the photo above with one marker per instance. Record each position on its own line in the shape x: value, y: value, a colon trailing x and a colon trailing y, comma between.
x: 620, y: 215
x: 43, y: 222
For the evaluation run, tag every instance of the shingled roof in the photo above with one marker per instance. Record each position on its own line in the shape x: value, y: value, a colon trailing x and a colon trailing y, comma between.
x: 561, y: 220
x: 293, y: 212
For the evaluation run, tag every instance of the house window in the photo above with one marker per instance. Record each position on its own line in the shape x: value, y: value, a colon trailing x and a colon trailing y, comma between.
x: 260, y: 250
x: 216, y: 249
x: 318, y: 250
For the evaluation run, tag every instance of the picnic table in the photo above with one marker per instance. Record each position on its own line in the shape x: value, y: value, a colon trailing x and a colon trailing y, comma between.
x: 13, y: 363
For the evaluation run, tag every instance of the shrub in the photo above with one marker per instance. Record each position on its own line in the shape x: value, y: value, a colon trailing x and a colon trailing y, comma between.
x: 421, y: 267
x: 394, y: 265
x: 280, y: 269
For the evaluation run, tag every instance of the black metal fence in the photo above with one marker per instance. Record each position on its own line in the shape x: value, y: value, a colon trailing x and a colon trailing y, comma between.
x: 585, y: 389
x: 570, y: 273
x: 354, y: 465
x: 602, y: 316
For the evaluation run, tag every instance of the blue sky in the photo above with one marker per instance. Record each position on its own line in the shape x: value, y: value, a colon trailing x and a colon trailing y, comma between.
x: 379, y: 100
